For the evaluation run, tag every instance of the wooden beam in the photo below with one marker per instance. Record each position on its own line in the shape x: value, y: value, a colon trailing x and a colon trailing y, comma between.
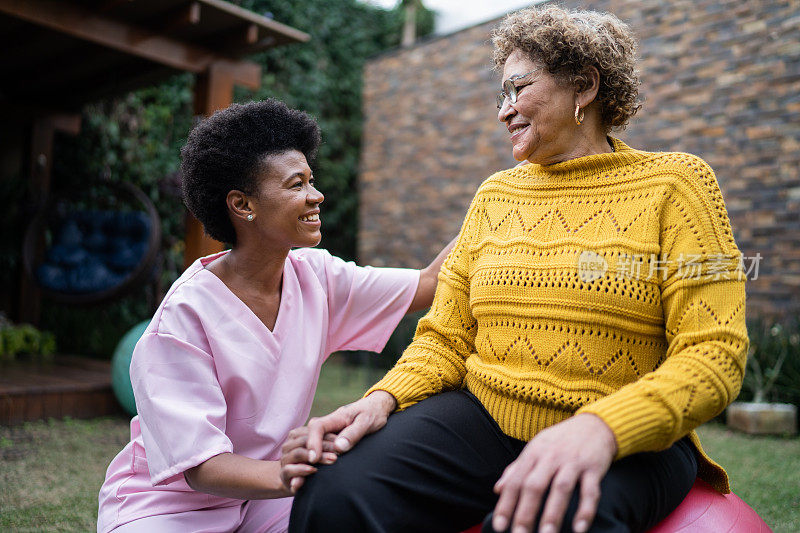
x: 213, y: 91
x: 286, y: 33
x: 245, y: 39
x: 44, y: 130
x: 251, y: 34
x: 197, y: 243
x: 67, y: 123
x: 84, y: 24
x: 194, y: 13
x: 188, y: 15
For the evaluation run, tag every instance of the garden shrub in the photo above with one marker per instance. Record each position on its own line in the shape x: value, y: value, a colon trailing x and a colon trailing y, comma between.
x: 773, y: 368
x: 16, y: 339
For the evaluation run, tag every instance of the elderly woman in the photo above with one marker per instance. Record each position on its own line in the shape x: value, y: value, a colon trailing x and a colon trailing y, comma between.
x: 229, y: 363
x: 590, y: 316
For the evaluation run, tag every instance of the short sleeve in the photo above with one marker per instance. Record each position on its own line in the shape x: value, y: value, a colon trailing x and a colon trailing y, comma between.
x: 181, y: 406
x: 365, y: 303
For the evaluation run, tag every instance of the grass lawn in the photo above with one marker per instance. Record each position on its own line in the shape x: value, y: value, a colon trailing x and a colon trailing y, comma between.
x: 50, y: 472
x: 764, y: 472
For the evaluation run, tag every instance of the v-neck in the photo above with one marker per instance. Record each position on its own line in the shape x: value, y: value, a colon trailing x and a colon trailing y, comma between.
x: 278, y: 330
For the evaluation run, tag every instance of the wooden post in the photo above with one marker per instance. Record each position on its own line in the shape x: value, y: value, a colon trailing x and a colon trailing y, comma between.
x: 41, y: 165
x: 213, y: 91
x: 410, y: 23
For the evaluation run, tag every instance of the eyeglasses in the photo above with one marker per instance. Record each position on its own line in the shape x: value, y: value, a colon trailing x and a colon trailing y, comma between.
x: 510, y: 90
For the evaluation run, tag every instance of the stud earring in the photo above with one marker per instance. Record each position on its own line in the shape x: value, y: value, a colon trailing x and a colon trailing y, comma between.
x: 250, y: 217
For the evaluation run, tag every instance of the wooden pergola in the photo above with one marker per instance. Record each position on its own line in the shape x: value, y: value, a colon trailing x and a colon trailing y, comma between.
x: 61, y: 54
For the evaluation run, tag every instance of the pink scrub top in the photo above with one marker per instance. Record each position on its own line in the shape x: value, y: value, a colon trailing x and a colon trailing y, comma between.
x: 209, y: 377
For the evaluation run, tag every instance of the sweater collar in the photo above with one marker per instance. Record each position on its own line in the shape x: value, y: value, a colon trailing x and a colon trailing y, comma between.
x: 591, y: 166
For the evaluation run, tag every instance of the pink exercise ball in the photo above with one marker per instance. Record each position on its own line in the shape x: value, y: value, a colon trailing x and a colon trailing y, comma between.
x: 706, y: 510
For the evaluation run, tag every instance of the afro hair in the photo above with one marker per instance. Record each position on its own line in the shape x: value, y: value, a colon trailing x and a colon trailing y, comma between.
x: 226, y: 151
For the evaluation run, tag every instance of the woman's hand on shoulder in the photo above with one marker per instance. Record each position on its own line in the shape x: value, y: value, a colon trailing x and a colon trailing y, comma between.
x: 575, y: 452
x: 295, y: 463
x: 351, y: 422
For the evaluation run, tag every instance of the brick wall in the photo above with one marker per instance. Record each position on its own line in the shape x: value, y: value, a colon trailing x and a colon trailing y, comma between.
x: 721, y: 79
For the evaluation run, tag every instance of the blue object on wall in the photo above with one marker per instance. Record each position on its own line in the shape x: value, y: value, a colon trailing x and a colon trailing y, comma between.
x: 121, y: 365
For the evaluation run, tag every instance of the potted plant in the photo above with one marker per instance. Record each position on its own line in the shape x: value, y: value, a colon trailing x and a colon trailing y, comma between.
x: 24, y: 339
x: 770, y: 348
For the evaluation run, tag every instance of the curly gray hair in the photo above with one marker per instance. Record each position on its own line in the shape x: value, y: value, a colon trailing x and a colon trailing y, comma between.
x: 569, y: 41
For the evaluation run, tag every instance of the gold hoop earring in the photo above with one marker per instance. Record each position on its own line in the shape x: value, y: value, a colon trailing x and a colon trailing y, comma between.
x: 579, y: 114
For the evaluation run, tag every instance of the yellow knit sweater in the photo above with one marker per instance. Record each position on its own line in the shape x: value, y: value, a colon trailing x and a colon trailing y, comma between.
x: 609, y: 284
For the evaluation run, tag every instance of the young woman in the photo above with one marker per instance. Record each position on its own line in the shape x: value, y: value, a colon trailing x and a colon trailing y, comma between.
x: 229, y: 363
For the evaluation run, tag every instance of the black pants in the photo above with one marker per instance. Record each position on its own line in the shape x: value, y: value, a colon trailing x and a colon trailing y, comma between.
x: 433, y: 466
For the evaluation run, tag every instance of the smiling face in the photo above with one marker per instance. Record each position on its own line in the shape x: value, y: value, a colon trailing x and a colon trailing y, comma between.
x: 286, y: 203
x: 541, y: 123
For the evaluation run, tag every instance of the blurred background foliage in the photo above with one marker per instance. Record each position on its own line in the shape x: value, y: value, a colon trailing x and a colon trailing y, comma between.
x: 25, y: 339
x: 773, y: 362
x: 137, y: 139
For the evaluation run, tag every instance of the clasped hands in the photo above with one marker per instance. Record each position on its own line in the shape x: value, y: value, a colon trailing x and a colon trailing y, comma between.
x: 574, y: 453
x: 325, y: 437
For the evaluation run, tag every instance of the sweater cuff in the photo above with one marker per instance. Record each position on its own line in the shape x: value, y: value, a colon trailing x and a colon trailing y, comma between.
x: 406, y: 388
x: 637, y: 425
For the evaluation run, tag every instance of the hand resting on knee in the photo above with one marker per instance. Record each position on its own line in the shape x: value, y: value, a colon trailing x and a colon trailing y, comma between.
x: 348, y: 424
